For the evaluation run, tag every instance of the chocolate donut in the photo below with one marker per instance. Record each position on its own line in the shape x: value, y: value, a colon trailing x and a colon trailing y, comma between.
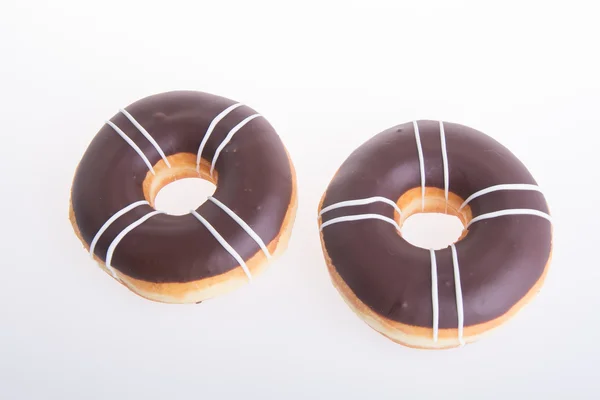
x: 213, y: 249
x: 435, y: 298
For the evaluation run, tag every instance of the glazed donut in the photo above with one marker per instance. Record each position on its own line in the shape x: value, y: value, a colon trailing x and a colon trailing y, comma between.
x: 428, y: 298
x: 213, y: 249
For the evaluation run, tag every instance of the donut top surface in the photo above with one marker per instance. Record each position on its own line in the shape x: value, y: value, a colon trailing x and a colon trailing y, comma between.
x: 255, y: 181
x: 496, y: 264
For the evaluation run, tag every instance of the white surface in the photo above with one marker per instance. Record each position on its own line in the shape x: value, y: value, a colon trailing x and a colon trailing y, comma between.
x: 183, y: 195
x: 432, y: 230
x: 328, y: 76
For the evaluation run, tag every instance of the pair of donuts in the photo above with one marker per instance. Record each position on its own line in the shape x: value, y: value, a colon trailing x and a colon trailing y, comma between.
x: 418, y: 297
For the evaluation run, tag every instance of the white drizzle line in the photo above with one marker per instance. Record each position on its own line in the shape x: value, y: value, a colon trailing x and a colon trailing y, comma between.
x: 445, y: 162
x: 360, y: 202
x: 111, y: 220
x: 513, y: 211
x: 228, y: 138
x: 120, y: 236
x: 132, y: 144
x: 434, y: 295
x: 144, y: 132
x: 210, y: 130
x: 510, y: 186
x: 223, y: 243
x: 358, y: 218
x: 459, y: 299
x: 421, y: 163
x: 243, y: 224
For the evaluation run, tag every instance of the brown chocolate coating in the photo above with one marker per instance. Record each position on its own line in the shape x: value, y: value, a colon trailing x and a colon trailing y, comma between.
x: 500, y: 259
x: 255, y: 181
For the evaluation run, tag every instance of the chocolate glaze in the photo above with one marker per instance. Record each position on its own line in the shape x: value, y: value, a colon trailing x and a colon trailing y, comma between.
x: 500, y: 259
x: 255, y: 181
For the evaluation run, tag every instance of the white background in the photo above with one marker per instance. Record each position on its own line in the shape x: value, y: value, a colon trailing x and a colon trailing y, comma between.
x: 328, y: 75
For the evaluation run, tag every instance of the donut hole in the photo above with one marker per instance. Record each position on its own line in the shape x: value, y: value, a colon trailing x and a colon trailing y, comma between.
x: 432, y: 230
x: 183, y: 195
x: 430, y: 219
x: 179, y: 187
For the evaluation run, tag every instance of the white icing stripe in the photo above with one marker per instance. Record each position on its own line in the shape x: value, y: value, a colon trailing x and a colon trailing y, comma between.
x: 120, y: 236
x: 111, y: 220
x: 223, y: 243
x: 243, y: 224
x: 445, y: 162
x: 434, y: 295
x: 210, y: 130
x: 510, y: 186
x: 228, y: 138
x: 360, y: 202
x: 421, y: 163
x: 458, y: 290
x: 132, y: 144
x: 360, y: 217
x: 144, y: 132
x: 514, y: 211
